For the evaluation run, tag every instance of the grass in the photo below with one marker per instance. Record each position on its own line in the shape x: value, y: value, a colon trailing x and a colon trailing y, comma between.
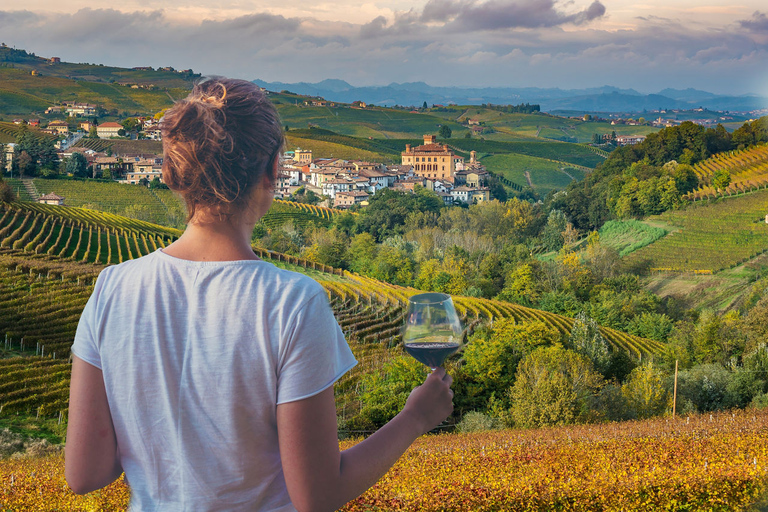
x: 30, y: 427
x: 627, y: 236
x: 545, y: 175
x: 324, y: 149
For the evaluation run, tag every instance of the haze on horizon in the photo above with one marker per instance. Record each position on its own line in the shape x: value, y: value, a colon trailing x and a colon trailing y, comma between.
x: 710, y: 45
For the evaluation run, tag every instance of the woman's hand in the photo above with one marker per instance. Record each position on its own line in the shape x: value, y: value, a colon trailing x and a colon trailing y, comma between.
x: 432, y: 402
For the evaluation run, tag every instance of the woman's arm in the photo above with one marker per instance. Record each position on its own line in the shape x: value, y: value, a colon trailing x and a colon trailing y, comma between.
x: 321, y: 478
x: 92, y: 460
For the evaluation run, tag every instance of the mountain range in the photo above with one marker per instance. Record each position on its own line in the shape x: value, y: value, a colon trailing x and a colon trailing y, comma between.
x: 596, y: 99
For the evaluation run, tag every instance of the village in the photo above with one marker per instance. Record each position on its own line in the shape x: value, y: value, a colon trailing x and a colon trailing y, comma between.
x: 333, y: 182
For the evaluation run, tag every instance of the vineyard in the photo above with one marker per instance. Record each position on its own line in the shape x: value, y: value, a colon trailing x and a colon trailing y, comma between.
x: 300, y: 213
x: 159, y: 206
x: 50, y: 256
x: 711, y: 236
x: 9, y: 131
x: 707, y: 462
x: 748, y: 169
x: 122, y: 146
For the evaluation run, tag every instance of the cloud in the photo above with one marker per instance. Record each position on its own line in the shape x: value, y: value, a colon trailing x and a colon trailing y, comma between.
x: 758, y: 22
x: 442, y: 42
x: 471, y: 15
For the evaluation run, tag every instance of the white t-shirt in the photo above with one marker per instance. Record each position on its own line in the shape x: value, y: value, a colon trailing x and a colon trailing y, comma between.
x: 195, y: 357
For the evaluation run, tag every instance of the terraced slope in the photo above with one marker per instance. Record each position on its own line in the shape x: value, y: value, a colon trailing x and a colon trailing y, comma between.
x: 748, y: 171
x: 707, y: 237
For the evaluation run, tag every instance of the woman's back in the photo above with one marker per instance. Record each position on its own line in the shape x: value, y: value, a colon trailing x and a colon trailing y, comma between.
x: 195, y: 357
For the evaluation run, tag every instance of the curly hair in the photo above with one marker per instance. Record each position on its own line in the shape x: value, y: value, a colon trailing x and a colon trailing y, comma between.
x: 218, y: 143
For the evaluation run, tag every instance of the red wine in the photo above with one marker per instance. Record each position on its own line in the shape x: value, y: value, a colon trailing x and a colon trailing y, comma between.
x: 431, y: 354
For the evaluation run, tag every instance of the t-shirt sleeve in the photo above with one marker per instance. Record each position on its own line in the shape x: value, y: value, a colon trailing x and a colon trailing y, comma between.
x: 86, y: 345
x: 315, y: 354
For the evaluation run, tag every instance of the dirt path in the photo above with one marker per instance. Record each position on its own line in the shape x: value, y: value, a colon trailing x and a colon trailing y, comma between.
x: 528, y: 179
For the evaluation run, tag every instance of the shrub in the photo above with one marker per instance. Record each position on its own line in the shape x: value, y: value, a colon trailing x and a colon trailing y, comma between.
x: 553, y: 386
x: 475, y: 421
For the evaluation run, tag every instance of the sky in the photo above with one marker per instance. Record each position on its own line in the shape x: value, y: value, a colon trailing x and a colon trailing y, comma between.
x: 647, y: 45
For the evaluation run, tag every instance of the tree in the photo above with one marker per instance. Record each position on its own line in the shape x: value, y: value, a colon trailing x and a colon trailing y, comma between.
x: 424, y: 106
x: 646, y: 392
x: 552, y: 236
x: 445, y: 132
x: 77, y: 165
x: 721, y: 179
x: 492, y: 355
x: 587, y: 340
x: 553, y: 386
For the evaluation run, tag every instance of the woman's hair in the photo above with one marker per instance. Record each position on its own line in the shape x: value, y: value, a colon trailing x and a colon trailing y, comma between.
x: 218, y: 143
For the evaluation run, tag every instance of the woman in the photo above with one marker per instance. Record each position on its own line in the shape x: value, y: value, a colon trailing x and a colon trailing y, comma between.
x: 206, y: 374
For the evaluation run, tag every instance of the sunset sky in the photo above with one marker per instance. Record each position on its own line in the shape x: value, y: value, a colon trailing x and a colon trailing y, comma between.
x: 646, y: 45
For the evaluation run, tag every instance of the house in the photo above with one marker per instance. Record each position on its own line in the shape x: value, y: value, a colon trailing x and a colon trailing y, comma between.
x: 51, y: 199
x: 430, y: 160
x: 409, y: 184
x: 34, y: 123
x: 480, y: 195
x: 302, y: 156
x: 85, y: 126
x: 334, y: 185
x: 61, y: 127
x: 55, y: 60
x: 9, y: 154
x: 81, y: 109
x: 148, y: 169
x: 113, y: 164
x: 56, y: 109
x: 629, y: 140
x: 319, y: 175
x: 153, y: 133
x: 462, y: 194
x: 108, y: 130
x: 347, y: 199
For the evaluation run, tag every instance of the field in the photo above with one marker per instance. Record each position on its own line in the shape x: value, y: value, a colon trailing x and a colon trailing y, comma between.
x: 707, y: 462
x: 710, y: 236
x: 22, y: 93
x: 542, y: 175
x: 377, y: 123
x: 629, y: 235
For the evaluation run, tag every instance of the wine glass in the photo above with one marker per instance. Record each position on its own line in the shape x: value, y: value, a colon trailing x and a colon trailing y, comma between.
x: 433, y: 330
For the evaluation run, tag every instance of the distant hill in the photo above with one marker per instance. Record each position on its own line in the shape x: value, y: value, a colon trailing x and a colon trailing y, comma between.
x: 597, y: 99
x: 29, y: 84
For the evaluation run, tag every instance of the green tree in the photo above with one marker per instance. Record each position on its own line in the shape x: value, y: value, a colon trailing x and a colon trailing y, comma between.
x: 445, y: 132
x: 586, y: 339
x: 77, y: 165
x: 552, y: 236
x: 362, y: 253
x: 553, y: 386
x: 492, y: 355
x: 721, y: 179
x: 646, y: 391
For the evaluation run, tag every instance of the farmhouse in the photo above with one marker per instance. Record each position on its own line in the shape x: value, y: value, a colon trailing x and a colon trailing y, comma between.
x: 60, y: 127
x: 51, y: 199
